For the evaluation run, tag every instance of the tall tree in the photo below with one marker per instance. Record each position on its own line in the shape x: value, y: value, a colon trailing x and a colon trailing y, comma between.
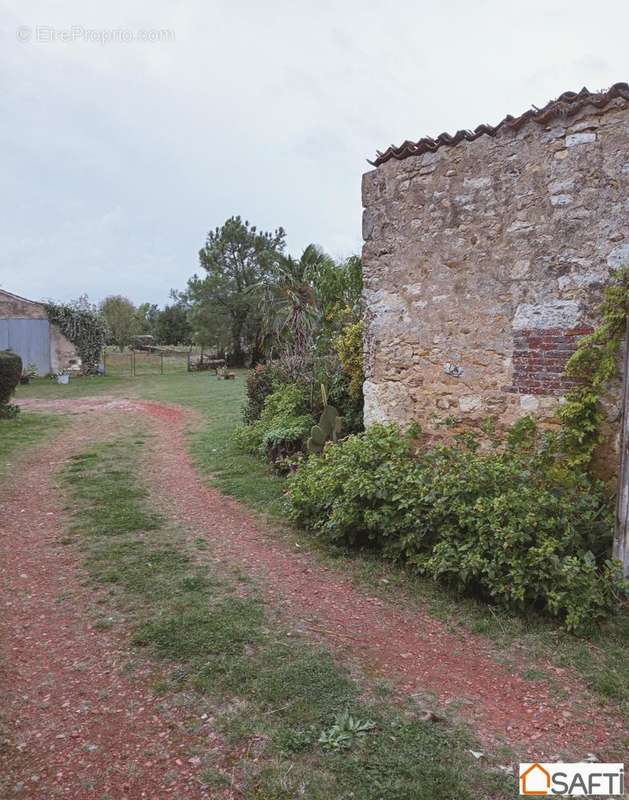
x: 237, y: 258
x: 172, y: 325
x: 120, y: 315
x: 147, y: 314
x: 290, y: 308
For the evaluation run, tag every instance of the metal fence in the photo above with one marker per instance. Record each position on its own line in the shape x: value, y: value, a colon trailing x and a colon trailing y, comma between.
x: 137, y: 362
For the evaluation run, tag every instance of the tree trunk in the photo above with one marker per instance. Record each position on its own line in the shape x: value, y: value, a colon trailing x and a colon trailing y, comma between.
x: 238, y: 356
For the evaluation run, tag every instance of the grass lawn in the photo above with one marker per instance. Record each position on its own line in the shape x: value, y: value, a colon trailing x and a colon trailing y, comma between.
x: 26, y: 429
x: 276, y: 699
x: 220, y: 404
x: 48, y: 389
x: 602, y: 659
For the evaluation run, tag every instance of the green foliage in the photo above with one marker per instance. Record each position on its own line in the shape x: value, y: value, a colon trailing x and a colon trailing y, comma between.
x: 172, y: 325
x: 261, y: 382
x: 280, y: 430
x: 146, y: 315
x: 122, y: 320
x: 345, y: 731
x: 349, y: 346
x: 236, y: 258
x: 508, y: 524
x: 10, y: 374
x: 596, y: 364
x: 84, y: 328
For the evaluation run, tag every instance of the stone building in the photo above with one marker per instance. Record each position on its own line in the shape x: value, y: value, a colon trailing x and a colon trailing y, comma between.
x: 485, y: 254
x: 25, y: 329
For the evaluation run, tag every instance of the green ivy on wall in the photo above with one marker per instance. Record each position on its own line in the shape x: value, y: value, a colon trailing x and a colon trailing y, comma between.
x: 85, y: 329
x: 596, y: 363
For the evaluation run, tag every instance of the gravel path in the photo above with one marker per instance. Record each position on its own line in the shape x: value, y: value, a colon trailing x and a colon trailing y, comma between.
x: 80, y: 724
x: 78, y: 715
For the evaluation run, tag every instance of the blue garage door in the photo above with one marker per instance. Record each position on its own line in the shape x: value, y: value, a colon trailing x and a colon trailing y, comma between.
x: 30, y: 339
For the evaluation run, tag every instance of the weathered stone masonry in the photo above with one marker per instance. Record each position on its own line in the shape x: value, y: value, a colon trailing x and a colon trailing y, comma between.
x: 485, y: 255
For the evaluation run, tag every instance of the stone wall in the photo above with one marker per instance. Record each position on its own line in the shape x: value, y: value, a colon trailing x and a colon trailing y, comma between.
x: 63, y: 354
x: 484, y: 264
x: 14, y: 307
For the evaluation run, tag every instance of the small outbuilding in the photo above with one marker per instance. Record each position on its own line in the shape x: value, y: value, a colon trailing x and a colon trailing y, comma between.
x: 485, y: 258
x: 26, y: 330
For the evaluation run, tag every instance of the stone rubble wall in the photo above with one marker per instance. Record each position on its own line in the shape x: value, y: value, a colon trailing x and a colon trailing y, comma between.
x: 12, y: 307
x: 484, y: 263
x: 63, y: 354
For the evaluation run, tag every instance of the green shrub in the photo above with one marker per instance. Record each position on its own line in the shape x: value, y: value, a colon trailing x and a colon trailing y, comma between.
x: 349, y: 346
x: 9, y: 411
x: 10, y: 374
x: 349, y: 407
x: 282, y: 426
x: 354, y: 494
x: 508, y: 524
x: 260, y: 384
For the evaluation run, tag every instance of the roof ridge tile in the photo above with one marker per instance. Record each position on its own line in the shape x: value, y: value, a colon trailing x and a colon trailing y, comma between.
x: 566, y: 105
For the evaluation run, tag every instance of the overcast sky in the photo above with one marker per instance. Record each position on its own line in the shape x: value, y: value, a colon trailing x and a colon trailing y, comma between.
x: 118, y: 157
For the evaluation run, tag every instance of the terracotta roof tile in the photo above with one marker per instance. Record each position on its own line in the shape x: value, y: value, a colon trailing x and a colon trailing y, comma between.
x: 566, y: 105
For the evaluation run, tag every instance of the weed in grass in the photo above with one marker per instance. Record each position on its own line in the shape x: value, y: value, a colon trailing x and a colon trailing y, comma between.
x: 345, y: 732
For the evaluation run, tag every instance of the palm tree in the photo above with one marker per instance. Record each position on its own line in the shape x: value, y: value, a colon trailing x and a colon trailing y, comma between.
x: 291, y: 310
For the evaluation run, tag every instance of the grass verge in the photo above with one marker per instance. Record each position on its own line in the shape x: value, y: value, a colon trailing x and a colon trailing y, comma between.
x: 24, y: 430
x: 273, y: 695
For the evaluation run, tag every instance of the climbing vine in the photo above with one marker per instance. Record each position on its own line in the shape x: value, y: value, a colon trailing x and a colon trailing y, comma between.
x: 84, y: 328
x: 595, y: 362
x: 349, y: 346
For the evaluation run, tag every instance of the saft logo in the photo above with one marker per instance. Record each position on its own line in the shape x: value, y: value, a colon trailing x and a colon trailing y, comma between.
x: 541, y: 780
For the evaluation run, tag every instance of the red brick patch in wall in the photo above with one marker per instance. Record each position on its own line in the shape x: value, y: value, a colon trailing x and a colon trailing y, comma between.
x: 539, y: 360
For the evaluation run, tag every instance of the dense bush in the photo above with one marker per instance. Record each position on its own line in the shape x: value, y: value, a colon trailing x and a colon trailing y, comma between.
x: 261, y: 382
x: 341, y: 397
x: 10, y: 374
x: 508, y: 524
x: 282, y: 426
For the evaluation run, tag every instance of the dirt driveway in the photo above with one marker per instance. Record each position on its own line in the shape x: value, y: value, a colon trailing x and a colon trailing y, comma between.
x: 78, y: 706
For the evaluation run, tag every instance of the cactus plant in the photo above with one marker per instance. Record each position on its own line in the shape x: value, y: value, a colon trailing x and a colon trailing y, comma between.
x: 327, y: 429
